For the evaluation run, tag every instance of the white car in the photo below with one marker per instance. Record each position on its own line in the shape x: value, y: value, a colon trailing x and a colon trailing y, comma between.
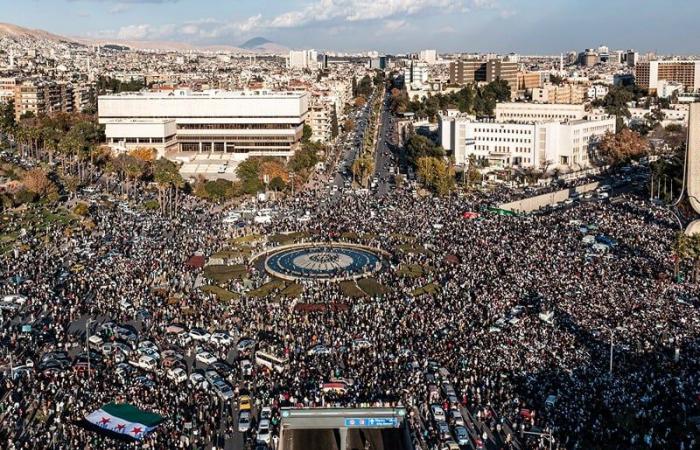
x: 319, y: 349
x: 197, y: 380
x: 221, y: 338
x: 264, y: 434
x: 246, y: 367
x: 15, y: 299
x: 266, y: 413
x: 178, y: 375
x: 145, y: 363
x: 244, y: 421
x: 206, y: 358
x: 438, y: 413
x: 197, y: 334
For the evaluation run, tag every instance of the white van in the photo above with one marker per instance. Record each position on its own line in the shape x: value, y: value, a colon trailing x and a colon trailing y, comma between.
x: 95, y: 342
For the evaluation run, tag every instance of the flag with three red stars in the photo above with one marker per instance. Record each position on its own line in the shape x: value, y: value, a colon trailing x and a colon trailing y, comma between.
x: 125, y: 419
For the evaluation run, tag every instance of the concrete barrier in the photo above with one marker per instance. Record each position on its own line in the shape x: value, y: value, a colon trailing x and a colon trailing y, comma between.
x: 527, y: 205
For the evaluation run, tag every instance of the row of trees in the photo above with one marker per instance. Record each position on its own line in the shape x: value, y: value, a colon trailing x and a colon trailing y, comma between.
x: 686, y: 249
x: 478, y: 100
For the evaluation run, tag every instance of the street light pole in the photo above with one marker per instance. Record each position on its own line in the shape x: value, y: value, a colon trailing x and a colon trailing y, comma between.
x: 612, y: 338
x: 87, y: 344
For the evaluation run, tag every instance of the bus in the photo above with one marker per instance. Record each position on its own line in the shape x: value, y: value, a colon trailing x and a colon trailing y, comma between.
x: 278, y: 363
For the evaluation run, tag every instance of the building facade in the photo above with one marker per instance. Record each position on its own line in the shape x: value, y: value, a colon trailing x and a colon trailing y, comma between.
x: 553, y: 144
x: 39, y: 97
x: 566, y: 94
x: 650, y: 73
x: 535, y: 112
x: 250, y: 123
x: 473, y: 71
x: 303, y: 59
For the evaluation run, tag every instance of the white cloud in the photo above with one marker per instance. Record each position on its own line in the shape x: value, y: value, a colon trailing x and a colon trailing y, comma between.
x: 119, y: 8
x: 146, y: 32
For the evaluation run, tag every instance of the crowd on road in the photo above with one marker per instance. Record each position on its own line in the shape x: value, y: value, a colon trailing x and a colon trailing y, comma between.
x: 510, y: 311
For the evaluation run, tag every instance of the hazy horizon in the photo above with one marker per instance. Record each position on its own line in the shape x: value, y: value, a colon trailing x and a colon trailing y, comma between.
x: 392, y: 26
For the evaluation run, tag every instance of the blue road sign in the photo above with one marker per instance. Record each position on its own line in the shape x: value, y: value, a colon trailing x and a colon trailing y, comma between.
x: 372, y: 422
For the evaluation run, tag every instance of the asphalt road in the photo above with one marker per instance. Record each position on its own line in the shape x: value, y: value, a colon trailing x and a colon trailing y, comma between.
x: 384, y: 158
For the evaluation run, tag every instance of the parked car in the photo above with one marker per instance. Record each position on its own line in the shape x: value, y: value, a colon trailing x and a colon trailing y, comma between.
x: 206, y: 358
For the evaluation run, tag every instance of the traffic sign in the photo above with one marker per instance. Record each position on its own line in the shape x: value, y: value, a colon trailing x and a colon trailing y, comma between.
x: 372, y: 422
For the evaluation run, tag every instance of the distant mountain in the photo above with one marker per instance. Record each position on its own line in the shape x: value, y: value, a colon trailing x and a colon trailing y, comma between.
x: 263, y: 45
x: 255, y: 45
x: 251, y: 44
x: 11, y: 31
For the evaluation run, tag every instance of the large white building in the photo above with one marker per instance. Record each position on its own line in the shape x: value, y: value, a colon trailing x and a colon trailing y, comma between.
x: 416, y: 75
x: 545, y: 143
x: 303, y: 59
x: 538, y: 112
x: 236, y: 124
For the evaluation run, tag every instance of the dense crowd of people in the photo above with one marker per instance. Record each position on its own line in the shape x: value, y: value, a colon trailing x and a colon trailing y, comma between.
x: 519, y: 309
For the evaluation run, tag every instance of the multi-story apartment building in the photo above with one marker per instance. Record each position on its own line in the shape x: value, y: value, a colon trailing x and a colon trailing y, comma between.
x: 7, y: 88
x: 650, y: 73
x: 536, y: 112
x: 551, y: 144
x: 322, y: 110
x: 566, y: 94
x: 529, y: 80
x: 42, y: 97
x: 474, y: 71
x: 242, y: 124
x: 84, y: 97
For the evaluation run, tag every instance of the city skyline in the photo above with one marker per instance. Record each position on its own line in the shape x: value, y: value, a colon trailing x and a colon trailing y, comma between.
x: 393, y: 26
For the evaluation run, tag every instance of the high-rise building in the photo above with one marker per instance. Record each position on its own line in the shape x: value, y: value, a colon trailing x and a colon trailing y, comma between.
x: 472, y: 71
x: 466, y: 71
x: 631, y: 58
x: 250, y: 123
x: 416, y: 74
x: 687, y: 73
x: 497, y: 69
x: 302, y: 59
x: 428, y: 56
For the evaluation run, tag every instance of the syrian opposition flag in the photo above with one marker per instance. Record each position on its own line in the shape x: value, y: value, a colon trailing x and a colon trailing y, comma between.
x: 124, y: 419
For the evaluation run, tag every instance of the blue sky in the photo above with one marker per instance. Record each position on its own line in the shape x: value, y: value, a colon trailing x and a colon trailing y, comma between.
x: 524, y: 26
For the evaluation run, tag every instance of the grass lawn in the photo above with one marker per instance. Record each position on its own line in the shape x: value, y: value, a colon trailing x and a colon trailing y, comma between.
x: 290, y: 238
x: 402, y: 237
x: 372, y: 287
x: 221, y: 274
x: 292, y: 290
x: 430, y: 288
x: 220, y: 293
x: 410, y: 270
x: 350, y: 289
x: 266, y: 289
x: 230, y: 253
x: 247, y: 239
x: 413, y: 248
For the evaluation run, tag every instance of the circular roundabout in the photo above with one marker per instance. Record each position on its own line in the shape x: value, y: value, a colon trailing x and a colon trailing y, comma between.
x: 332, y: 262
